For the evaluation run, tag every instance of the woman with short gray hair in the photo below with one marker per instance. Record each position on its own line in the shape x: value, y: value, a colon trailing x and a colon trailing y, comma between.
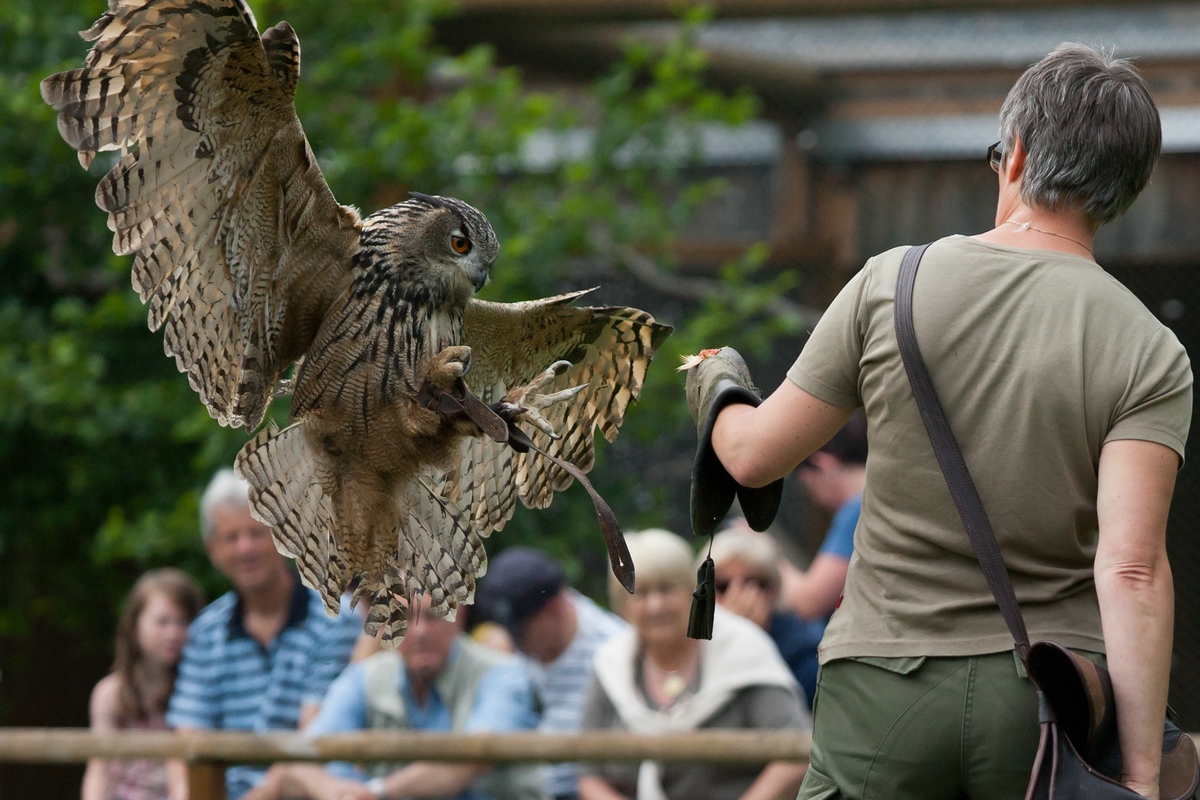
x: 651, y: 678
x: 1071, y: 402
x: 1090, y: 134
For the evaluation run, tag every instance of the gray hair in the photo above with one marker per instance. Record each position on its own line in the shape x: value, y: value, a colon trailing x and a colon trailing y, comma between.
x: 225, y: 489
x: 659, y: 556
x: 1090, y: 131
x: 757, y: 550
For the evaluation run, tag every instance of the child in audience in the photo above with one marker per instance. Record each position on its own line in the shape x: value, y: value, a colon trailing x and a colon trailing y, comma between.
x: 150, y: 637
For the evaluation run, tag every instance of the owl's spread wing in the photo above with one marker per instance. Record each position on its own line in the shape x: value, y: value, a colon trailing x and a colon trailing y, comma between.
x: 238, y: 244
x: 511, y: 344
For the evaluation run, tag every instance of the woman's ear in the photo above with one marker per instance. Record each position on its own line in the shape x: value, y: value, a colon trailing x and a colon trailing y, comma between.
x: 1014, y: 161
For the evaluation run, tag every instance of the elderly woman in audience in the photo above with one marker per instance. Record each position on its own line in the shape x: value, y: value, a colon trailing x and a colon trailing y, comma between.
x: 652, y: 678
x: 747, y: 565
x: 151, y: 633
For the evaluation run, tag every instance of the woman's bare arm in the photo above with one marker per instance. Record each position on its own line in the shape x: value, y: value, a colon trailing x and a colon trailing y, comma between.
x: 1133, y: 583
x: 760, y: 445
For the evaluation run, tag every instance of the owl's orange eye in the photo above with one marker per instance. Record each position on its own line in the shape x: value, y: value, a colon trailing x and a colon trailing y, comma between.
x: 461, y: 244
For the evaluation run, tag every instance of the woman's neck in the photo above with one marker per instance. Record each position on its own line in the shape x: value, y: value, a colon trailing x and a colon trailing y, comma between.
x: 1021, y: 225
x: 673, y: 656
x: 152, y: 683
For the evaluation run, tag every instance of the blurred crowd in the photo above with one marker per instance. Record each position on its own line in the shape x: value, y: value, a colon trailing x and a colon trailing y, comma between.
x: 532, y: 653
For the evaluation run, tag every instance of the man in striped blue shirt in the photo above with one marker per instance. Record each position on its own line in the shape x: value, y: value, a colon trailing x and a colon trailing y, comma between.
x: 261, y: 656
x: 557, y: 630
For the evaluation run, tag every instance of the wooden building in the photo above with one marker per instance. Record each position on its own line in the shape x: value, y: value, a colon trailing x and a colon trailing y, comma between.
x: 877, y: 117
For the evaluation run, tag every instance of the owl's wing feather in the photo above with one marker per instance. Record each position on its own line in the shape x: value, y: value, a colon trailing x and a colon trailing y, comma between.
x: 239, y: 246
x: 511, y: 344
x: 286, y: 477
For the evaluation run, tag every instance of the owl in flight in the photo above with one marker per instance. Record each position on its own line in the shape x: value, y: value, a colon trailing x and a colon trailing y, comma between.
x: 419, y: 415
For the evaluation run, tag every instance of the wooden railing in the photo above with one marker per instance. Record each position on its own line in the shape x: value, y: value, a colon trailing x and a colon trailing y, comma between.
x: 208, y: 753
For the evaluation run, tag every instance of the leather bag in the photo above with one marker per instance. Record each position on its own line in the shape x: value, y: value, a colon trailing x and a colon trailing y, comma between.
x: 1078, y: 753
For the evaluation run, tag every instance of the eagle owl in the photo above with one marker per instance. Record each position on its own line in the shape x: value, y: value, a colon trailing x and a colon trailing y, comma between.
x: 250, y: 266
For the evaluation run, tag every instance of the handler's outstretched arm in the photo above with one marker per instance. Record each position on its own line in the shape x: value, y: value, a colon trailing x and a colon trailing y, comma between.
x: 760, y: 445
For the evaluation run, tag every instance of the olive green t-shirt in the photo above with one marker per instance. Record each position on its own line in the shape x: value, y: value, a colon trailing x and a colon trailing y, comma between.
x: 1039, y: 359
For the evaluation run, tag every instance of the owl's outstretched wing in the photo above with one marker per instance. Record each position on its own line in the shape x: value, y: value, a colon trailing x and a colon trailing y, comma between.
x: 511, y: 344
x: 239, y: 246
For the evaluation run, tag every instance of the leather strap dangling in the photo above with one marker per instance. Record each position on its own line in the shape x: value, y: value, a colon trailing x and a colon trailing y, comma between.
x: 704, y: 599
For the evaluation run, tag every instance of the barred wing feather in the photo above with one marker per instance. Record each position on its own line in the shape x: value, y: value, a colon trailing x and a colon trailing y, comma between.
x: 511, y: 344
x: 238, y: 244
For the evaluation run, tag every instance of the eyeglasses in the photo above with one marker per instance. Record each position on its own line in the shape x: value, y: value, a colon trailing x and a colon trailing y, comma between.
x: 995, y: 156
x: 722, y: 586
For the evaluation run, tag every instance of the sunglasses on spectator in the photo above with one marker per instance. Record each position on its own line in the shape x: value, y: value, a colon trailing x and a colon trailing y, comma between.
x: 757, y: 583
x: 995, y: 156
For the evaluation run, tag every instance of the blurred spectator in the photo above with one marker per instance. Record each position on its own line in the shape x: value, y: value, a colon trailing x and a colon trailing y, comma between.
x: 366, y: 645
x: 558, y: 630
x: 747, y: 565
x: 260, y: 657
x: 150, y: 637
x: 834, y: 477
x: 487, y: 632
x: 654, y: 679
x: 495, y: 636
x: 437, y: 680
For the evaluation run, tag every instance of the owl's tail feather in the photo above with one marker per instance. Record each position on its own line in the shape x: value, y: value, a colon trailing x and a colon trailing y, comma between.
x: 389, y: 605
x: 448, y: 552
x: 286, y: 476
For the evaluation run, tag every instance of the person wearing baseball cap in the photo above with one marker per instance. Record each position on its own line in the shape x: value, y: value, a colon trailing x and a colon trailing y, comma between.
x: 556, y: 630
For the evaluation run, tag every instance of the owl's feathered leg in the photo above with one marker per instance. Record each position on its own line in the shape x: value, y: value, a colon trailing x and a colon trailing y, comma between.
x: 337, y: 522
x: 436, y: 554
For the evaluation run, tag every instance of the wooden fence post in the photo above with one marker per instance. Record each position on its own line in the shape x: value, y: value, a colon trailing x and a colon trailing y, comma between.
x: 206, y: 780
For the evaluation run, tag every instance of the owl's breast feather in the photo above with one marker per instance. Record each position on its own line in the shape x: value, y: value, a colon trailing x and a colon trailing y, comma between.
x: 370, y: 352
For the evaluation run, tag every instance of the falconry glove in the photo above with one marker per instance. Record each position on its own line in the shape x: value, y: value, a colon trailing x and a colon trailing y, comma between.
x: 716, y: 379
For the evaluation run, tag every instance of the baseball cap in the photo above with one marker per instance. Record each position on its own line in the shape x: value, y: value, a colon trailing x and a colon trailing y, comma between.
x: 520, y: 582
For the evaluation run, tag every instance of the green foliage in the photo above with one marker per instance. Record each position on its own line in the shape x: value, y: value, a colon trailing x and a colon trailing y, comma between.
x: 103, y: 447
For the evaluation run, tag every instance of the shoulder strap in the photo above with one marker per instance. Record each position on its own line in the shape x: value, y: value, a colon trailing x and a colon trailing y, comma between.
x: 950, y: 457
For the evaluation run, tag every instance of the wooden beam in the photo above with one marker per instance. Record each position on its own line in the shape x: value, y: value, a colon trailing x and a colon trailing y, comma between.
x: 64, y: 745
x: 594, y: 10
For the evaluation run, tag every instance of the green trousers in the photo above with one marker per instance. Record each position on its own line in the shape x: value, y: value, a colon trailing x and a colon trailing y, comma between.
x: 922, y: 728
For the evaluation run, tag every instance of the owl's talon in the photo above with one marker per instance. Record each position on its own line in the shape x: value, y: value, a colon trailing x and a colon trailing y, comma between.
x: 537, y: 419
x: 547, y: 400
x: 527, y: 401
x: 542, y: 381
x: 448, y: 366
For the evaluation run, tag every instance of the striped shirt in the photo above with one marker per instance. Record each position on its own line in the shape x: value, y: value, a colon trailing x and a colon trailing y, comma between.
x: 228, y: 681
x: 562, y: 684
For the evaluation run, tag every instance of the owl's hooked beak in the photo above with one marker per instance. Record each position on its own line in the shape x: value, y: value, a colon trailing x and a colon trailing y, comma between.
x: 481, y: 279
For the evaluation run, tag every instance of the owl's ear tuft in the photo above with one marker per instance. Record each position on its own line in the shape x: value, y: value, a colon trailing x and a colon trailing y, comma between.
x: 433, y: 202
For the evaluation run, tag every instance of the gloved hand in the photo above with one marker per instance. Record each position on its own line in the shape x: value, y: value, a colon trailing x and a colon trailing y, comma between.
x: 705, y: 371
x: 715, y: 379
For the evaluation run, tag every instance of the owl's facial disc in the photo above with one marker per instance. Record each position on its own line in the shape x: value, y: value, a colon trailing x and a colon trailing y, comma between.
x: 475, y: 266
